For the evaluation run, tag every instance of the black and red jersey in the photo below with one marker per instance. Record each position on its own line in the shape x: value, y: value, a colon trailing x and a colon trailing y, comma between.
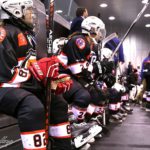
x: 17, y: 50
x: 76, y: 53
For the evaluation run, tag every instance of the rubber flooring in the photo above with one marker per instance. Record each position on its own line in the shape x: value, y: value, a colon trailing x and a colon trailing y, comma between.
x: 132, y: 134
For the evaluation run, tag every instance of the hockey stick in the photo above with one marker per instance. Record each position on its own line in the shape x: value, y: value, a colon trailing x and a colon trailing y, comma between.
x: 129, y: 29
x: 49, y: 4
x: 108, y: 38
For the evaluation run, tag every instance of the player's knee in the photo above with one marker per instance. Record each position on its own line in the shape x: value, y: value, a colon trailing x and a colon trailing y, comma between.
x: 36, y: 112
x: 31, y: 110
x: 83, y: 99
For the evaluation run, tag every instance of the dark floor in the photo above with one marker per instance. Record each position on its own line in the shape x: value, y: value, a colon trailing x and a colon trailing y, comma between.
x: 132, y: 134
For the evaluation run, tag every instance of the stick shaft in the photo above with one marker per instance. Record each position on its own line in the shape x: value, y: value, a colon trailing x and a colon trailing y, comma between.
x: 49, y: 4
x: 129, y: 29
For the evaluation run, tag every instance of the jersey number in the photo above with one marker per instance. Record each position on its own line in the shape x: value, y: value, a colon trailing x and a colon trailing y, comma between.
x: 38, y: 140
x: 23, y: 73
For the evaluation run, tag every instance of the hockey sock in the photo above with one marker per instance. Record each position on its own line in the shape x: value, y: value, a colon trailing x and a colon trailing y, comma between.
x: 90, y: 110
x: 34, y: 140
x: 61, y: 135
x: 79, y: 113
x: 113, y: 108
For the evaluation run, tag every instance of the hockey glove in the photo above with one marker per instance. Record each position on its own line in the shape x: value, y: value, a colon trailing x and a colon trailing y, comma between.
x: 45, y: 67
x: 61, y: 84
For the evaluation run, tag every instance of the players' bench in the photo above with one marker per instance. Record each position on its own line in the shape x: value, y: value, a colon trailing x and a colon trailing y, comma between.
x: 9, y: 132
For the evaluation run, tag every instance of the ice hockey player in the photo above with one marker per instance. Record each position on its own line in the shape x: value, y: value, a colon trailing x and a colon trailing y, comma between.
x: 145, y: 76
x: 75, y: 55
x: 107, y: 75
x: 22, y: 79
x: 112, y: 42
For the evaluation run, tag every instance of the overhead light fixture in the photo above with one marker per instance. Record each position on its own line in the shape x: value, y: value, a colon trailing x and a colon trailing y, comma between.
x: 103, y: 5
x: 144, y: 1
x: 147, y: 15
x: 111, y: 18
x: 147, y: 25
x: 59, y: 11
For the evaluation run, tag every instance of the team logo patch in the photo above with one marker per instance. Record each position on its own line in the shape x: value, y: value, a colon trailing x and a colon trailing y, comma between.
x: 80, y: 43
x: 22, y: 41
x: 2, y: 34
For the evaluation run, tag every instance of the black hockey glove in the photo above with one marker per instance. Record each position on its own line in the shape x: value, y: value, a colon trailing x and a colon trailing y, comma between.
x: 109, y: 79
x: 107, y: 66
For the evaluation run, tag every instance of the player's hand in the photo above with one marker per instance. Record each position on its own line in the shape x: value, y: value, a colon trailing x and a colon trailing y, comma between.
x: 61, y: 84
x: 45, y: 68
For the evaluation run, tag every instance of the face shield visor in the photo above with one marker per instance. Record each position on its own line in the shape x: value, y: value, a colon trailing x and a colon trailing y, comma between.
x: 100, y: 35
x: 97, y: 34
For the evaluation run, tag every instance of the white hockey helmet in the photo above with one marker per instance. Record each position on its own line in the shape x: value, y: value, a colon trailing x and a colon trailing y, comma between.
x: 58, y: 44
x: 95, y: 26
x: 15, y: 7
x: 119, y: 87
x: 105, y: 53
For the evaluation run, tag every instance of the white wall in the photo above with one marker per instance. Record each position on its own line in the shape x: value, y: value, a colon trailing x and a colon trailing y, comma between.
x: 136, y: 45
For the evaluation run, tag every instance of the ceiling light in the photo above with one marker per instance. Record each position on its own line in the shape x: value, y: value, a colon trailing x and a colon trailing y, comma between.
x: 147, y: 25
x: 144, y: 1
x: 103, y: 5
x: 111, y: 18
x: 59, y: 11
x: 147, y: 15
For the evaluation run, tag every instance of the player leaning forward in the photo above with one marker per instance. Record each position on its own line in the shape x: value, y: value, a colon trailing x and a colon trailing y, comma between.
x: 22, y: 79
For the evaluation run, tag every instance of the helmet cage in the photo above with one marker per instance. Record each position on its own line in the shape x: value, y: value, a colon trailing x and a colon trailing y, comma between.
x: 94, y: 26
x: 16, y: 8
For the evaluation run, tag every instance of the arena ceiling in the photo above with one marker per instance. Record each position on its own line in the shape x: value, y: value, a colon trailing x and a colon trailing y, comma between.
x: 125, y: 11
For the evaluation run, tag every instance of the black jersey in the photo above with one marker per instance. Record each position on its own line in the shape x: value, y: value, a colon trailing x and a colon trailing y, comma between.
x: 76, y: 53
x: 16, y: 52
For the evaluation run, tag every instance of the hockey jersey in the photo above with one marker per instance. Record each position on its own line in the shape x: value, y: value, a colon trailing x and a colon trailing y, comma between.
x: 76, y: 53
x: 17, y: 50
